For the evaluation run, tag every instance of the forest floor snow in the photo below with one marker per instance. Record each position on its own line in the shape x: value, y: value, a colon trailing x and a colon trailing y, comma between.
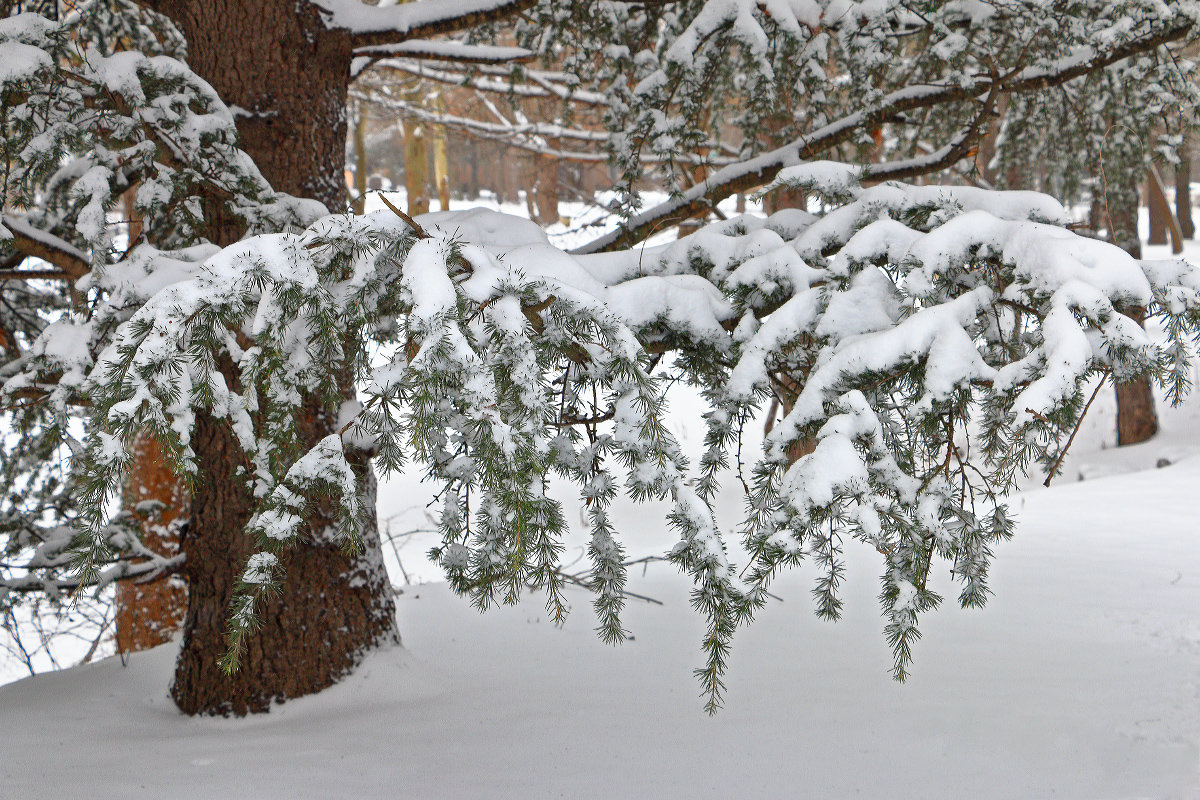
x: 1081, y: 679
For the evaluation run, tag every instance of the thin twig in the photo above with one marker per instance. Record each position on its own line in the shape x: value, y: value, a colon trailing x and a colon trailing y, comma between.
x: 417, y: 229
x: 1063, y: 453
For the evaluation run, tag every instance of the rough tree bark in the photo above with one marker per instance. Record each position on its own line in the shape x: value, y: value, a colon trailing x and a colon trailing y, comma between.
x: 331, y: 609
x: 289, y: 75
x: 1183, y: 192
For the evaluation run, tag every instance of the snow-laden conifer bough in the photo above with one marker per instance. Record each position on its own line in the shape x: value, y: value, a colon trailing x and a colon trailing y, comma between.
x: 926, y: 342
x: 940, y: 339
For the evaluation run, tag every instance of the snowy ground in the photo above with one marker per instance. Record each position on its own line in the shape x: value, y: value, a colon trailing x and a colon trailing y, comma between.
x: 1081, y: 679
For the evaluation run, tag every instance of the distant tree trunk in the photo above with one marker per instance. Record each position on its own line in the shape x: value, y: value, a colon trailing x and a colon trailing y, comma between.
x: 473, y: 172
x: 784, y: 197
x: 149, y: 614
x: 1122, y: 215
x: 1136, y: 418
x: 290, y: 73
x: 133, y: 223
x: 1183, y: 193
x: 416, y: 168
x: 542, y: 196
x: 1160, y: 211
x: 987, y: 144
x: 513, y: 171
x: 360, y: 157
x: 441, y: 160
x: 1097, y: 221
x: 1157, y: 207
x: 441, y: 168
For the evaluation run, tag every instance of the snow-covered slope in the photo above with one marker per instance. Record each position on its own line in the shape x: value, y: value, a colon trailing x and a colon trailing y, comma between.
x: 1081, y: 679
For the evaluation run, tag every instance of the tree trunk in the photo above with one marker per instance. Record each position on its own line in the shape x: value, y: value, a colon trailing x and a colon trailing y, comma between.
x: 472, y: 166
x: 441, y: 169
x: 787, y: 390
x: 1157, y: 207
x: 784, y: 197
x: 290, y: 74
x: 332, y: 607
x: 1097, y: 220
x: 543, y: 194
x: 416, y: 168
x: 1160, y: 207
x: 1123, y: 216
x: 512, y: 175
x: 149, y: 614
x: 1183, y: 193
x: 1136, y: 418
x: 988, y: 142
x: 133, y: 223
x: 360, y: 158
x: 441, y: 160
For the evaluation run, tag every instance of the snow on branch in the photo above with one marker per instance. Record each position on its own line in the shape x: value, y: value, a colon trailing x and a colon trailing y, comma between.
x: 72, y: 262
x: 530, y: 136
x: 929, y: 344
x: 50, y: 567
x: 383, y: 25
x: 438, y: 50
x: 84, y: 128
x: 547, y: 84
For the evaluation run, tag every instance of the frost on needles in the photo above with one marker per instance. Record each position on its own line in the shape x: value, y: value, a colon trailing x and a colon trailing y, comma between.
x: 929, y: 344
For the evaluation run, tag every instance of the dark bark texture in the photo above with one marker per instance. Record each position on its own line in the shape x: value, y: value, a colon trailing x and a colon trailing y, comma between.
x: 1183, y: 193
x: 331, y: 609
x: 1159, y: 212
x: 288, y: 77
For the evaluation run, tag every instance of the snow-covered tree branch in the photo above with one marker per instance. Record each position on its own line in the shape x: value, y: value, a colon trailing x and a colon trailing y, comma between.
x: 904, y: 316
x: 762, y: 169
x: 390, y: 23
